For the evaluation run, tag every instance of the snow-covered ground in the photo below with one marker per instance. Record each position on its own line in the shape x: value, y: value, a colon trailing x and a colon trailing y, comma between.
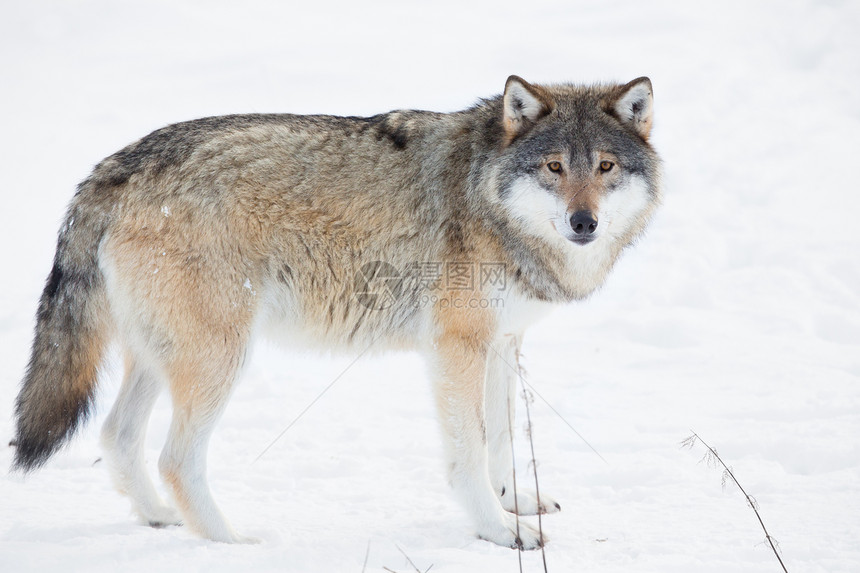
x: 738, y: 316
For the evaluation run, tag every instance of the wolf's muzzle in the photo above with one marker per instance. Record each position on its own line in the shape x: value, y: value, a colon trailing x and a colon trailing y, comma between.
x: 584, y: 224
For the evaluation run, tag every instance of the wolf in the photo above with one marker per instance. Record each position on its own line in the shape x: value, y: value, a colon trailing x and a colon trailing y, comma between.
x: 190, y: 243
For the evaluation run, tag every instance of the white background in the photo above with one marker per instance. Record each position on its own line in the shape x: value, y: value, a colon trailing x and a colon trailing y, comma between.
x: 738, y: 315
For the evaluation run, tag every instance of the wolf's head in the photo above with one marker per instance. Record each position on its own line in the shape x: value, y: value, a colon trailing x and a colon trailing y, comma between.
x: 576, y: 166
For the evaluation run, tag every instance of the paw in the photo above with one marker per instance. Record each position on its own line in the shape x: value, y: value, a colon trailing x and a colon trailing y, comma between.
x: 527, y: 503
x: 245, y: 540
x: 161, y: 516
x: 223, y: 533
x: 227, y: 535
x: 505, y: 534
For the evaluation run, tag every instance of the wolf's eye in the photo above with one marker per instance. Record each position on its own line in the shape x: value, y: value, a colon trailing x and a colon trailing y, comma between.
x: 606, y: 166
x: 554, y: 166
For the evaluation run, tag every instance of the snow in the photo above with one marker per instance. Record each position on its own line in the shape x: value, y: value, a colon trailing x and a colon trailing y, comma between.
x: 737, y: 316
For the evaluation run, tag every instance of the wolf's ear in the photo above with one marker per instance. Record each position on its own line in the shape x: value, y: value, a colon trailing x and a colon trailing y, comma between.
x: 634, y: 106
x: 524, y: 104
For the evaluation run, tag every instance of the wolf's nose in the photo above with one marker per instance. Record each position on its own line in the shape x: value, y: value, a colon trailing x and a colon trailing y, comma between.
x: 583, y: 223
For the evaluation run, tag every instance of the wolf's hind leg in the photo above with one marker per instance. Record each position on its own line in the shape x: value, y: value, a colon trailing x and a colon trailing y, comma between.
x: 200, y: 389
x: 123, y: 439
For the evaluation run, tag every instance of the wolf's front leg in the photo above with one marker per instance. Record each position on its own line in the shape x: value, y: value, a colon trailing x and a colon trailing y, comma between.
x: 459, y: 364
x: 501, y: 399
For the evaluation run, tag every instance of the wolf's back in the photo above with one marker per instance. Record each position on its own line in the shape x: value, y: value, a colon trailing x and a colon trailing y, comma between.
x: 71, y: 334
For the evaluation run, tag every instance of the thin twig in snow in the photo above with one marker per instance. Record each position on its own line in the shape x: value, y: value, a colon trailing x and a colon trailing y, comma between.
x: 514, y: 473
x: 712, y: 458
x: 366, y: 555
x: 417, y: 570
x: 528, y: 397
x: 545, y: 401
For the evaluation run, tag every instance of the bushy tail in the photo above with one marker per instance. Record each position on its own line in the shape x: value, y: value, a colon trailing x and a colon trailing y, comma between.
x: 71, y: 335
